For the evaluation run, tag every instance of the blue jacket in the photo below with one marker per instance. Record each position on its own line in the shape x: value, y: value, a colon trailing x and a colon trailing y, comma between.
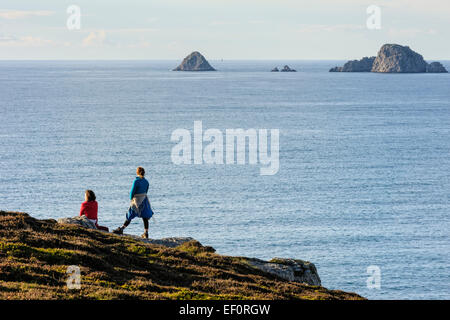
x: 140, y: 185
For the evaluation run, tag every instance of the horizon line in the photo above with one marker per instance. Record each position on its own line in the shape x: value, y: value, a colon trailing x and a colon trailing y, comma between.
x: 180, y: 59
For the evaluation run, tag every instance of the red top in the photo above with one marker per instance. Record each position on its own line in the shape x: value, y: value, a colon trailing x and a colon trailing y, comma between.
x: 89, y: 209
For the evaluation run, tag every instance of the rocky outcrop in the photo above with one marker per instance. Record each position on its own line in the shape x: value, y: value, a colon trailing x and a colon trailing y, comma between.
x: 165, y: 242
x: 335, y: 69
x: 289, y: 269
x: 363, y: 65
x: 80, y: 221
x: 194, y: 62
x: 392, y: 58
x: 436, y: 67
x: 287, y: 69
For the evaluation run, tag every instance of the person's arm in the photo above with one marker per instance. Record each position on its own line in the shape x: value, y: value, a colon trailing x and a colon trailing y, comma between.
x: 82, y: 210
x: 133, y: 190
x: 95, y: 217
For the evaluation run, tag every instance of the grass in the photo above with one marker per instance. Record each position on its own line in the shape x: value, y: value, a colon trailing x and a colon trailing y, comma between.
x: 35, y: 255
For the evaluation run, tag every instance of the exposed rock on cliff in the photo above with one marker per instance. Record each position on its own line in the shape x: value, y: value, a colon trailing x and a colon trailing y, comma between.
x: 363, y: 65
x: 80, y: 221
x: 289, y: 269
x: 392, y: 58
x: 194, y: 62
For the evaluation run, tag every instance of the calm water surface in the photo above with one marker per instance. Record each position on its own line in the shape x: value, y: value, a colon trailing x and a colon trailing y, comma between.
x: 364, y: 173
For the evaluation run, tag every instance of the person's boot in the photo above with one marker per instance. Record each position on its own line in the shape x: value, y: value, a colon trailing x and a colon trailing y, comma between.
x: 145, y: 235
x: 119, y: 230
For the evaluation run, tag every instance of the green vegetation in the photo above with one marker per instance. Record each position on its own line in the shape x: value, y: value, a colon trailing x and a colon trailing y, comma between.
x: 35, y: 254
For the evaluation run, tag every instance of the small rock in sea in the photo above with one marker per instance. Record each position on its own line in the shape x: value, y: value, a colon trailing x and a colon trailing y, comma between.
x: 436, y: 67
x: 336, y: 69
x: 274, y: 70
x: 194, y: 62
x: 363, y: 65
x: 287, y: 69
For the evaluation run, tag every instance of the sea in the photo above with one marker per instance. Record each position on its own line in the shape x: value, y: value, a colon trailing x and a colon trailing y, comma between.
x: 362, y: 190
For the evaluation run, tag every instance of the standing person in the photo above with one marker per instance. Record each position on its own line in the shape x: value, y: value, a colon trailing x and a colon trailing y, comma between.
x: 139, y: 205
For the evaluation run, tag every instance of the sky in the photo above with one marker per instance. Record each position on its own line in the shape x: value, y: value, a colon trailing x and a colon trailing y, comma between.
x: 220, y: 29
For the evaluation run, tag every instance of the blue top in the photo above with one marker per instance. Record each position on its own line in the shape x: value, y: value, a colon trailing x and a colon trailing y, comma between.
x: 140, y: 185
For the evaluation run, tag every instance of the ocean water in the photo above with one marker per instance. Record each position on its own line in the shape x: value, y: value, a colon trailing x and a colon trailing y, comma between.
x: 364, y: 175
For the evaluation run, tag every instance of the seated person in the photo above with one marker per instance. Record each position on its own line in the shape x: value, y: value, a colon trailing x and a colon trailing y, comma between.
x: 89, y: 208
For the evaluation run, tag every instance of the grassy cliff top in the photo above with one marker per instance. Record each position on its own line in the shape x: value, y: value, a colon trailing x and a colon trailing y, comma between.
x: 35, y: 254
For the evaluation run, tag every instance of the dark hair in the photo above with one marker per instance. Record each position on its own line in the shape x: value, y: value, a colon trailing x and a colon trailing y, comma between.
x: 90, y: 195
x: 140, y: 171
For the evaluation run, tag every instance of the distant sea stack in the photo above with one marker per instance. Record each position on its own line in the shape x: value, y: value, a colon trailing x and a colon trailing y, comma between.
x: 392, y: 58
x: 363, y: 65
x: 286, y: 68
x: 436, y: 67
x: 194, y: 62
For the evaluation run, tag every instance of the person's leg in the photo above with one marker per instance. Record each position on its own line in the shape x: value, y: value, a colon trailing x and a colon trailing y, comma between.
x: 145, y: 235
x: 145, y: 223
x: 130, y: 216
x: 119, y: 230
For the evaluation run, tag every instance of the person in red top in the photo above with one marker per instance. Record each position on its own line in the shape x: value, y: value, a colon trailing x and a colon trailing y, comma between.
x: 89, y: 208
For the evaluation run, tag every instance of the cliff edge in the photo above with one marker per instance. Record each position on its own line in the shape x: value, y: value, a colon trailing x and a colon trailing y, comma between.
x: 35, y: 256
